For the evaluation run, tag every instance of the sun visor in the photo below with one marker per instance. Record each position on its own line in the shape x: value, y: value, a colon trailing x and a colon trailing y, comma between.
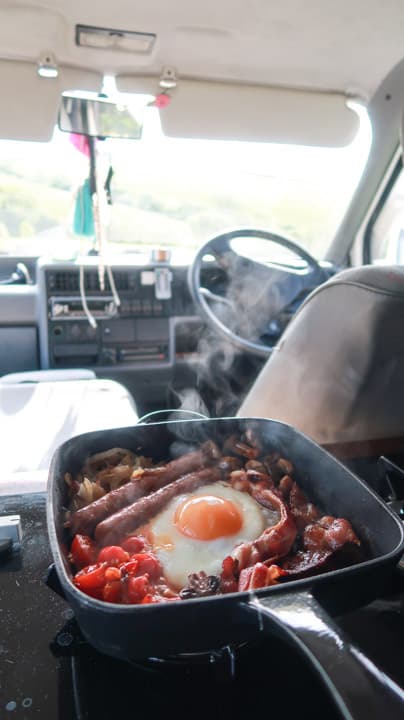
x: 229, y: 111
x: 30, y: 103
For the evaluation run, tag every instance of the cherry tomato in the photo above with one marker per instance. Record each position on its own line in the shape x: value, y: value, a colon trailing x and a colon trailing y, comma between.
x: 90, y: 578
x: 112, y: 591
x: 112, y: 573
x: 137, y: 588
x: 95, y: 593
x: 133, y: 544
x: 147, y: 563
x: 83, y: 551
x: 113, y: 555
x: 129, y: 568
x: 148, y: 599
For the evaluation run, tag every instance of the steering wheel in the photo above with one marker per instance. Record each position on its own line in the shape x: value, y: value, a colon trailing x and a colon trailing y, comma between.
x: 255, y: 293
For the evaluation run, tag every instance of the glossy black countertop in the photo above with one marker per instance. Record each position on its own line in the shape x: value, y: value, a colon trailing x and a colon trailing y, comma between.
x: 47, y: 669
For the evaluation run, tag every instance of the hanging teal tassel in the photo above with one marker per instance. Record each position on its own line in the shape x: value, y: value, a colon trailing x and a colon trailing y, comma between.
x: 83, y: 221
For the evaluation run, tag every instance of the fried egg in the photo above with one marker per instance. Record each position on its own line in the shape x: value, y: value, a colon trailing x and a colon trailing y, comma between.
x: 196, y: 531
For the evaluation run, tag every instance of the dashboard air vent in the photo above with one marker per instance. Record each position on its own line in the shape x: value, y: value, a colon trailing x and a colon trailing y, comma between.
x: 67, y: 281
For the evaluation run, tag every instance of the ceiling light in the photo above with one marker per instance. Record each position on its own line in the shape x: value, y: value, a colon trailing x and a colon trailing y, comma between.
x: 109, y: 39
x: 47, y: 66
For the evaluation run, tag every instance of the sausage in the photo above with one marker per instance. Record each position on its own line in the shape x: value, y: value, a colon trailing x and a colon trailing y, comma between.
x: 113, y: 528
x: 191, y: 462
x: 85, y: 520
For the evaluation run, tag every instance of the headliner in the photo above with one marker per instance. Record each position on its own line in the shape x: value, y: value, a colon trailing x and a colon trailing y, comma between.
x: 316, y: 44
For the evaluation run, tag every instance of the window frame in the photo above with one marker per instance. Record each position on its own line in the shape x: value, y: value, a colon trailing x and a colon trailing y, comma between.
x: 377, y: 210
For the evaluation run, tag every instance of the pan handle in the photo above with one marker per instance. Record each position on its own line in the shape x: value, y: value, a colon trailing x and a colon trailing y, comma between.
x: 360, y: 690
x: 145, y: 418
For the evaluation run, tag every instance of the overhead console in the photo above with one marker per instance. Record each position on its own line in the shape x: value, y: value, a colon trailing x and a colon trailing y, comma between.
x: 140, y: 329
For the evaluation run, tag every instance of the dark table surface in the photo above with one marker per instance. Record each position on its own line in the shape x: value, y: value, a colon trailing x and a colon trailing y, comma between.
x: 47, y: 670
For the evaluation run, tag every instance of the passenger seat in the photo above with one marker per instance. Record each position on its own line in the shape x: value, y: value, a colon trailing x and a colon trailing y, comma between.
x: 37, y: 414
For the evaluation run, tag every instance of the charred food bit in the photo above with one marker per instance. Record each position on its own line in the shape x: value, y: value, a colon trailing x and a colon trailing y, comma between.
x: 235, y: 446
x: 200, y: 585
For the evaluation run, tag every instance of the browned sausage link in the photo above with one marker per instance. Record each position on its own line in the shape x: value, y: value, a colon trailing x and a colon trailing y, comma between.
x: 191, y: 462
x: 85, y: 520
x: 113, y: 528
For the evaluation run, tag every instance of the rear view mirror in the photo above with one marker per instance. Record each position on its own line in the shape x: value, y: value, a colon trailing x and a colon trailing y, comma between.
x: 98, y: 116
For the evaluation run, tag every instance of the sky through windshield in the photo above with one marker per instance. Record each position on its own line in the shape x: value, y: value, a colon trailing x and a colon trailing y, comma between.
x: 177, y: 193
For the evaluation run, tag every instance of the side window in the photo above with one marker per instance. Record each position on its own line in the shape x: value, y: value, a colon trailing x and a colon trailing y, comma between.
x: 387, y: 225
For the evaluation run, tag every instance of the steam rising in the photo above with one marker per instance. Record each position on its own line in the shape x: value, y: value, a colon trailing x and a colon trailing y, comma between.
x: 256, y: 294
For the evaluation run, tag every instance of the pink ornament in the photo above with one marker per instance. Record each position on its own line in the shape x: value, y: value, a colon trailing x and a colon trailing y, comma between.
x: 162, y: 100
x: 80, y: 142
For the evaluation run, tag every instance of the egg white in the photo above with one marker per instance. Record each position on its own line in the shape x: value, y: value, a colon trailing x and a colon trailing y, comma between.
x: 180, y: 555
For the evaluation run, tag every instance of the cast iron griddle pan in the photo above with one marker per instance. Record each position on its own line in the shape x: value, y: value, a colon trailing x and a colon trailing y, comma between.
x: 299, y: 610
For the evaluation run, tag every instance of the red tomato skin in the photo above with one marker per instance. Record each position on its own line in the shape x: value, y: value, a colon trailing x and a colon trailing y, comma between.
x: 90, y: 578
x: 147, y: 563
x: 113, y: 555
x: 149, y: 599
x: 133, y: 544
x: 95, y: 593
x: 112, y: 573
x: 137, y: 588
x: 112, y: 591
x: 129, y: 568
x: 83, y: 551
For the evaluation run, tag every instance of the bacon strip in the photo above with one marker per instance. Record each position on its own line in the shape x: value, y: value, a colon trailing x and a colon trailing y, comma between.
x: 321, y: 540
x: 143, y: 482
x: 328, y: 534
x: 304, y: 564
x: 276, y: 541
x: 259, y: 576
x: 303, y: 511
x: 113, y: 528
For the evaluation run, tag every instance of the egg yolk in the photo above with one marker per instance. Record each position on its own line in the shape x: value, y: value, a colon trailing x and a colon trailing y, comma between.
x: 207, y: 517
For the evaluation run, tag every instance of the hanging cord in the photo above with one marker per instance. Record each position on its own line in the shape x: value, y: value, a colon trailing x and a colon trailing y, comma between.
x: 103, y: 265
x: 97, y: 209
x: 117, y: 299
x: 102, y: 219
x: 100, y: 236
x: 100, y: 202
x: 91, y: 319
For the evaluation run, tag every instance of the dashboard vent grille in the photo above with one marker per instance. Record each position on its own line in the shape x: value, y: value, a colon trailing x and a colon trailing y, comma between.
x: 67, y: 281
x: 64, y: 281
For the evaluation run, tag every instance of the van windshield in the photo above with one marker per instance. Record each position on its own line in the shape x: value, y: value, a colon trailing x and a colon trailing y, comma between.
x: 176, y: 193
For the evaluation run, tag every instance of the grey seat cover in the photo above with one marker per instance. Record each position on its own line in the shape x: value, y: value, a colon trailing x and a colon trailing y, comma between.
x: 35, y: 418
x: 338, y: 372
